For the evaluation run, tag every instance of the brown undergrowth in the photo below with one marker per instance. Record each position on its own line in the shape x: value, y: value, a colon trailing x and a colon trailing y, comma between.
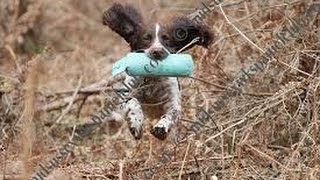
x: 51, y: 49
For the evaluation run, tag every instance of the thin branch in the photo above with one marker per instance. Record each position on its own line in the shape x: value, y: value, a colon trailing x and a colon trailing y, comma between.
x: 68, y: 107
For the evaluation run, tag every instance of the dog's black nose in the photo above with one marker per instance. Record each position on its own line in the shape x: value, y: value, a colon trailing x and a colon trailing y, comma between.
x: 158, y: 53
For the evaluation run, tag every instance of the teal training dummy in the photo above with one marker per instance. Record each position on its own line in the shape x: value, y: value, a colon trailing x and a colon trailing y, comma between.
x: 139, y: 64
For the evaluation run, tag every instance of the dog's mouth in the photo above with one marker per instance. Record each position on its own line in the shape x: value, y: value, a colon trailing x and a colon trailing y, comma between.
x: 139, y: 51
x: 155, y: 55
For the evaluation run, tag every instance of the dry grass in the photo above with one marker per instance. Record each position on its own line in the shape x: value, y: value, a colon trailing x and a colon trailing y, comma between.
x: 271, y: 131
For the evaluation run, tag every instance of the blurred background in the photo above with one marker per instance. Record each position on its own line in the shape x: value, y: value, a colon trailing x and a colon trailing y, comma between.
x: 49, y: 49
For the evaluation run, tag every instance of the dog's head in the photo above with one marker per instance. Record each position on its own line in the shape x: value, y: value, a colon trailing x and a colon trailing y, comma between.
x: 156, y: 40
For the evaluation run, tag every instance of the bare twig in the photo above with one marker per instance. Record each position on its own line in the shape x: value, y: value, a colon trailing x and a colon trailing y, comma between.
x: 184, y: 160
x: 68, y: 107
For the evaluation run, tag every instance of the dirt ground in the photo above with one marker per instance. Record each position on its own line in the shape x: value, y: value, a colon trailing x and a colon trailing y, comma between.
x: 49, y: 50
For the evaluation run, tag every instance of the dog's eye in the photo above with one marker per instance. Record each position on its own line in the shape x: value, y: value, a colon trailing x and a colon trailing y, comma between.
x: 147, y: 37
x: 165, y: 37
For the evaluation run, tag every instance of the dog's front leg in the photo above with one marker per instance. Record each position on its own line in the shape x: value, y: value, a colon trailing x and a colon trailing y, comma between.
x: 172, y: 110
x: 130, y: 108
x: 134, y: 117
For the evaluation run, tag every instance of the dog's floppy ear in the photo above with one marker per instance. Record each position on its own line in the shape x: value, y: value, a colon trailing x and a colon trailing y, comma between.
x: 124, y: 20
x: 185, y: 30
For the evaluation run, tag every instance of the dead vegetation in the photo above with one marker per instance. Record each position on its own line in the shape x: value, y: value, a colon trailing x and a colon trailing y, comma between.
x: 51, y: 49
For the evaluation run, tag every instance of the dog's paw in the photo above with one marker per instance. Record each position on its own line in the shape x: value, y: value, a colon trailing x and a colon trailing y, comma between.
x: 159, y: 132
x: 136, y: 133
x: 162, y: 128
